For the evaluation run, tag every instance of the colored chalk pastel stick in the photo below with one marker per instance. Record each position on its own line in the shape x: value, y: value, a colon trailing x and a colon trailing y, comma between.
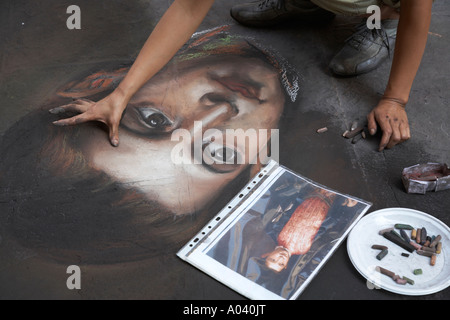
x: 403, y: 226
x: 379, y: 247
x: 435, y: 241
x: 410, y: 281
x: 417, y: 271
x: 395, y: 233
x: 439, y: 247
x: 423, y: 234
x: 404, y: 235
x: 382, y: 254
x: 425, y: 253
x: 399, y: 241
x: 385, y: 271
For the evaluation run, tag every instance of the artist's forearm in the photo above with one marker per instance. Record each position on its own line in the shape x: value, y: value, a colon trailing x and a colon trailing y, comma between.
x: 176, y: 26
x: 415, y: 17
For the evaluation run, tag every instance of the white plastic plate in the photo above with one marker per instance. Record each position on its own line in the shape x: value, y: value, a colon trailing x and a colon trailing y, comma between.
x: 365, y: 234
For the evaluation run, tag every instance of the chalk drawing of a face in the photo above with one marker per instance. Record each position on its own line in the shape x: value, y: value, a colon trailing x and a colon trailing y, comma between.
x: 220, y: 79
x: 224, y: 85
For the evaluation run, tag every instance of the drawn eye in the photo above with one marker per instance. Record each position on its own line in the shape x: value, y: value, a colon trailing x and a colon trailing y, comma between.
x: 155, y: 119
x: 215, y: 98
x: 147, y: 121
x: 223, y: 154
x: 220, y: 158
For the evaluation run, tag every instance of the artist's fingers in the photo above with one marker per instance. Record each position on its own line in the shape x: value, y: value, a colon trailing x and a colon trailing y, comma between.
x: 405, y: 131
x: 114, y: 134
x: 81, y: 118
x: 371, y: 123
x: 387, y: 133
x: 396, y: 137
x: 80, y: 106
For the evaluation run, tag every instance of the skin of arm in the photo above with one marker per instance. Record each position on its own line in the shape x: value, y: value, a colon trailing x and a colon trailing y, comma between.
x: 173, y: 30
x: 412, y: 34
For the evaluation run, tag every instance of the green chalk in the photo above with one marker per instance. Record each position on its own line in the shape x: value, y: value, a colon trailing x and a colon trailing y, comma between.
x: 410, y: 281
x: 382, y: 254
x: 417, y: 271
x: 403, y: 226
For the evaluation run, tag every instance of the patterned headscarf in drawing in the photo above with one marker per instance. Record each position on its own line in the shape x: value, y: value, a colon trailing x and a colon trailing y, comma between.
x: 217, y: 41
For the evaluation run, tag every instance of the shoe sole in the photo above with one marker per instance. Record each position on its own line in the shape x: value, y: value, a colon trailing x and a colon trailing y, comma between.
x: 284, y: 19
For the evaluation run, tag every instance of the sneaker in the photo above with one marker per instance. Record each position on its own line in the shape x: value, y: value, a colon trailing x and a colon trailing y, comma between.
x: 366, y: 49
x: 265, y: 13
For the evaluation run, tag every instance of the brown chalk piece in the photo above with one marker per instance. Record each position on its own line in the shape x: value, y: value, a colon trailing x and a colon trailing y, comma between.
x: 423, y: 235
x: 433, y: 250
x: 381, y: 232
x: 399, y: 241
x: 386, y: 272
x: 415, y: 245
x: 425, y: 253
x: 353, y: 133
x: 413, y: 234
x: 379, y: 247
x: 418, y: 236
x: 435, y: 241
x: 433, y: 260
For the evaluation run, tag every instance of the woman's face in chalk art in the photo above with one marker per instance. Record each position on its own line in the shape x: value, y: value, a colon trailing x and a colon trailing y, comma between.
x: 181, y: 112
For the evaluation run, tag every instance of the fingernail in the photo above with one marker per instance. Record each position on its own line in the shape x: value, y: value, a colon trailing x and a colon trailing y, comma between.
x: 56, y: 123
x: 115, y: 142
x: 372, y: 131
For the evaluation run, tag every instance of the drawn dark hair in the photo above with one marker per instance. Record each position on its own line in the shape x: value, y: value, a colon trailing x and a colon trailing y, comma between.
x: 62, y: 208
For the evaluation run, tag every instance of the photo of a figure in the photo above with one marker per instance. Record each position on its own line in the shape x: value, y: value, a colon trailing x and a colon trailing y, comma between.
x: 286, y: 233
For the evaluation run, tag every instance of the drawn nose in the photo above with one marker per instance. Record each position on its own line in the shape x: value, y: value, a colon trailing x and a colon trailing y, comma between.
x: 210, y: 119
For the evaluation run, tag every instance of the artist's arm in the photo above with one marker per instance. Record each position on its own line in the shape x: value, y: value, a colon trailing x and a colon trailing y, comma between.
x: 174, y: 29
x: 390, y: 113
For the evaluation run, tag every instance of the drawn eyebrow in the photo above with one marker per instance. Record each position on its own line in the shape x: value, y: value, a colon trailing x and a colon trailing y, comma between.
x: 237, y: 83
x: 151, y: 105
x: 142, y: 104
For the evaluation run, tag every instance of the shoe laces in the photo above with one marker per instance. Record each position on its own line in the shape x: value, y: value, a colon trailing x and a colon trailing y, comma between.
x: 363, y: 33
x: 278, y: 4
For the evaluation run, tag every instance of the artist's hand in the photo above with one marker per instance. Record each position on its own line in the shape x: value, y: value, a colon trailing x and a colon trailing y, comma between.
x: 108, y: 110
x: 390, y: 115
